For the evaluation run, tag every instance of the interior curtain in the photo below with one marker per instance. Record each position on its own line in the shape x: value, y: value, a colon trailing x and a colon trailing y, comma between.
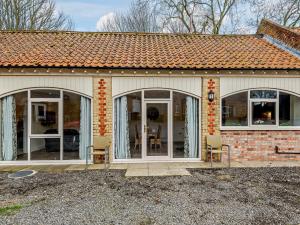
x: 122, y: 147
x: 8, y: 129
x: 191, y: 136
x: 85, y: 126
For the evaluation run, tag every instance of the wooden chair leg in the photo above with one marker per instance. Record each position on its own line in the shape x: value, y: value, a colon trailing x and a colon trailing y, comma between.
x: 211, y: 155
x: 87, y: 155
x: 229, y: 157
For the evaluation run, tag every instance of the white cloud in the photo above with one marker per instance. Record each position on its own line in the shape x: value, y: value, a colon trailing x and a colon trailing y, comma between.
x: 103, y: 20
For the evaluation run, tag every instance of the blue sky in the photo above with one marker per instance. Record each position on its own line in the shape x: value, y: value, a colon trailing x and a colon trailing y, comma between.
x: 86, y: 13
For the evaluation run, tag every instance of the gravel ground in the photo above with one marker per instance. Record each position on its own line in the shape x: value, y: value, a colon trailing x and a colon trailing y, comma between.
x: 210, y: 196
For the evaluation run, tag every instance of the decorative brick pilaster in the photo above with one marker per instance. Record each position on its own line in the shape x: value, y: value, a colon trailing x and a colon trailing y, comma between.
x: 102, y: 106
x: 210, y: 110
x: 102, y: 110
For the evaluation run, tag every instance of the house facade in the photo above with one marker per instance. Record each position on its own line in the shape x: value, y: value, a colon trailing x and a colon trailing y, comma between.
x: 154, y: 96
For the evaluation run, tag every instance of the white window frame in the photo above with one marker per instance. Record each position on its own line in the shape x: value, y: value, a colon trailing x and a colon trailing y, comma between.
x: 250, y: 118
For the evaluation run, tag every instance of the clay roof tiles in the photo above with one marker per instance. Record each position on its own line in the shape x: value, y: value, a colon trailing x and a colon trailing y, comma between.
x: 141, y: 50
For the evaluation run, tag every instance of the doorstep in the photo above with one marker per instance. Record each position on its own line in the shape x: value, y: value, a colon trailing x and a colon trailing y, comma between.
x: 151, y: 172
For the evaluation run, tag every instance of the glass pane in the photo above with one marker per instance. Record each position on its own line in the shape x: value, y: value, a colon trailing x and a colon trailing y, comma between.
x: 44, y: 118
x: 289, y: 110
x: 157, y: 94
x: 135, y: 124
x: 263, y: 94
x: 45, y: 148
x: 71, y: 126
x: 157, y: 129
x: 264, y: 113
x: 22, y: 125
x: 179, y: 112
x: 41, y: 93
x: 235, y: 110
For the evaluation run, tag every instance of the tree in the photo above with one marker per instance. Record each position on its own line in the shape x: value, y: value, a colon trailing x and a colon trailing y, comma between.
x: 195, y: 16
x: 32, y: 15
x: 141, y: 17
x: 284, y: 12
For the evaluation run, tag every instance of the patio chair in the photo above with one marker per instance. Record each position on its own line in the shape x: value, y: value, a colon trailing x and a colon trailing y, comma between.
x: 100, y: 147
x: 214, y: 145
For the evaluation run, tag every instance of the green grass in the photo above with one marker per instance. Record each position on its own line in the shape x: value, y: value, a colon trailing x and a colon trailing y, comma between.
x: 10, y: 210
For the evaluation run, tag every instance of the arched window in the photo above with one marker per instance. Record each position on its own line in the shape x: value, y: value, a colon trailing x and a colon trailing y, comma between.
x: 261, y: 109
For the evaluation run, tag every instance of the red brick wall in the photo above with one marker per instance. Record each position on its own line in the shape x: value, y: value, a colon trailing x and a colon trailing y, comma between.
x: 260, y: 145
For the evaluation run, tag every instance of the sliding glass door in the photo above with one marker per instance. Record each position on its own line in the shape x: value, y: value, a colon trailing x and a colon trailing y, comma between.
x: 45, y: 130
x: 156, y: 129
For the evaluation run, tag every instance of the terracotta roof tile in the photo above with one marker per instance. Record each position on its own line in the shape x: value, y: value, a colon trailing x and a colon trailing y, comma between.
x: 297, y: 29
x: 137, y: 50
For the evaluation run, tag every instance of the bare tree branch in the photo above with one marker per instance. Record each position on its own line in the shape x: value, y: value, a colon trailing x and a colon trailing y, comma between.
x: 284, y: 12
x: 141, y: 17
x: 195, y: 16
x: 32, y: 15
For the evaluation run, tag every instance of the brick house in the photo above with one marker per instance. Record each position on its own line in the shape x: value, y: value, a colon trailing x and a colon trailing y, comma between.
x: 148, y: 94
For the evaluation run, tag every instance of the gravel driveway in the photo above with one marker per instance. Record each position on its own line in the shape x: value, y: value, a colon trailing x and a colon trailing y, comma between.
x: 210, y: 196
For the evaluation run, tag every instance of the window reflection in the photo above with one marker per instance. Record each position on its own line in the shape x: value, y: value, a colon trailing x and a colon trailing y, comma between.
x: 43, y: 93
x: 134, y: 101
x: 44, y: 116
x: 185, y: 126
x: 263, y: 94
x: 289, y: 110
x: 71, y: 126
x: 235, y: 110
x: 22, y: 125
x: 264, y: 113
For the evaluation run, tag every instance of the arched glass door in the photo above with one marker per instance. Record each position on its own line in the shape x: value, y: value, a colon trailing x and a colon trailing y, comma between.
x: 156, y: 125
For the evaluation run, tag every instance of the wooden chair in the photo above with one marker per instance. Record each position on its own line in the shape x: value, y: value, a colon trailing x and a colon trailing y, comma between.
x: 156, y: 140
x: 100, y: 147
x: 214, y: 145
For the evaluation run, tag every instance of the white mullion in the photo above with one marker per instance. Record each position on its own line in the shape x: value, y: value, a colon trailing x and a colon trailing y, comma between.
x: 28, y: 125
x: 249, y: 109
x: 200, y: 126
x: 143, y: 123
x: 171, y: 147
x: 277, y: 109
x: 45, y: 136
x: 45, y: 99
x: 60, y: 124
